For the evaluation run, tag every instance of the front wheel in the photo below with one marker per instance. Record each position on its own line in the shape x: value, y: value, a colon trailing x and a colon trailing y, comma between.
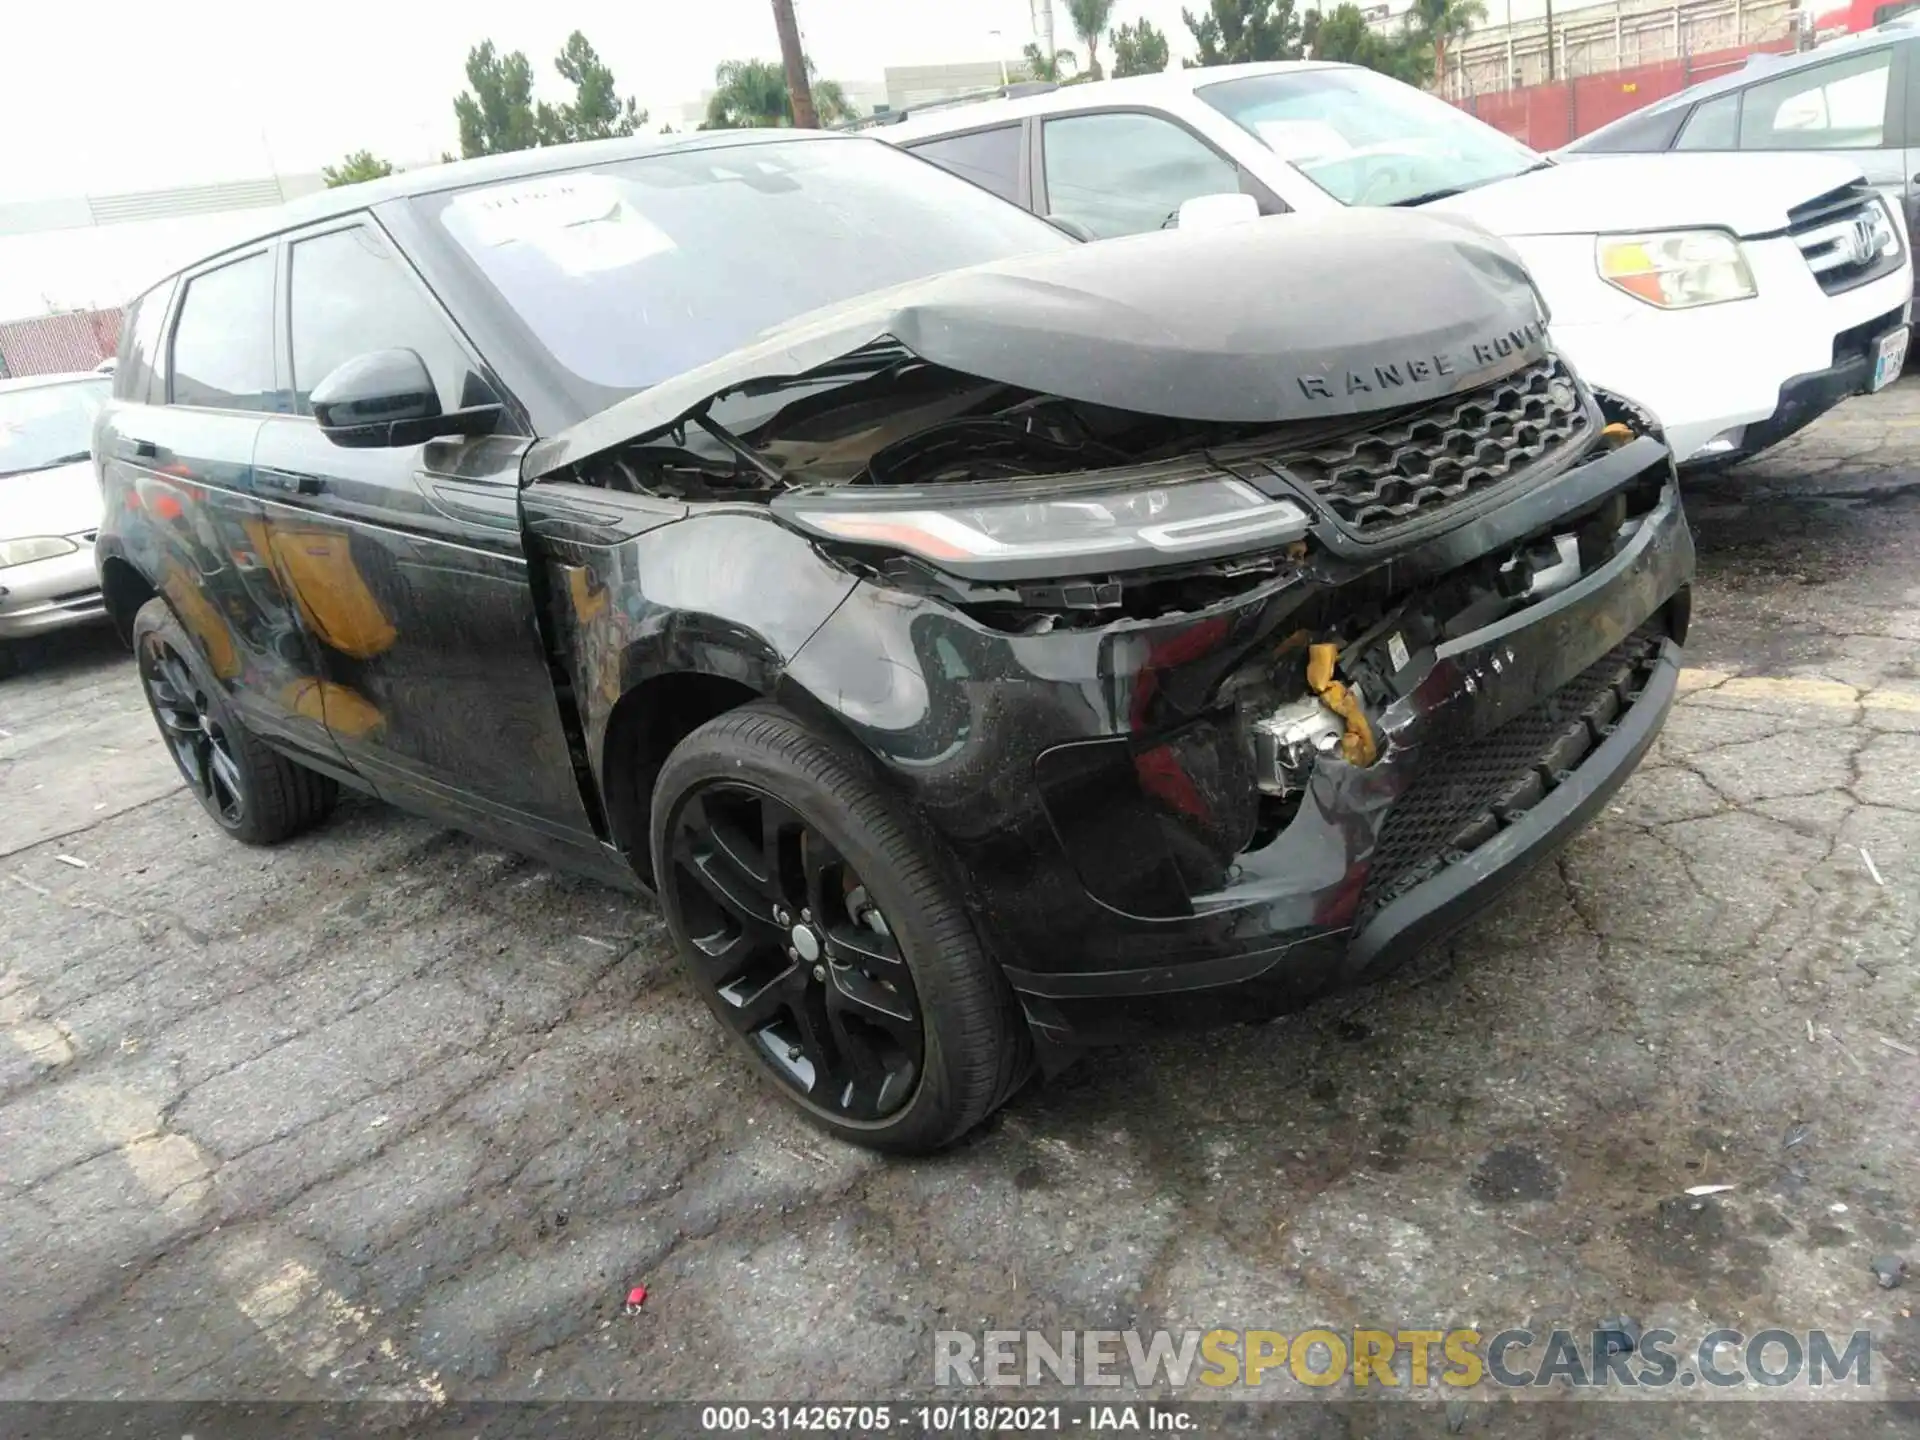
x: 819, y: 930
x: 255, y: 794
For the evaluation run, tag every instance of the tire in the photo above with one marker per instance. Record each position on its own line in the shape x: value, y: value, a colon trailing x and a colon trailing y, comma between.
x: 10, y: 663
x: 255, y: 794
x: 884, y: 906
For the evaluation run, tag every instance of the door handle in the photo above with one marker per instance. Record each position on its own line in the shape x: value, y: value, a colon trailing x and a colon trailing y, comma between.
x: 286, y: 483
x: 143, y: 449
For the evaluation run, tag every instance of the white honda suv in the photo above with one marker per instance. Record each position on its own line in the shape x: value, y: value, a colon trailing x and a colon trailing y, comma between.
x: 1735, y: 296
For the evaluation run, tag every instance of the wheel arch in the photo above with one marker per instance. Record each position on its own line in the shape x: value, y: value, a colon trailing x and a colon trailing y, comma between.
x: 661, y: 709
x: 125, y: 588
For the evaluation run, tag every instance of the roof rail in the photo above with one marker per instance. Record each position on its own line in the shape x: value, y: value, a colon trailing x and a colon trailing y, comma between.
x: 1013, y: 90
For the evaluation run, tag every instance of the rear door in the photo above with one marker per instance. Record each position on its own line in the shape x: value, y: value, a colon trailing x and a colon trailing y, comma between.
x: 185, y: 458
x: 406, y: 564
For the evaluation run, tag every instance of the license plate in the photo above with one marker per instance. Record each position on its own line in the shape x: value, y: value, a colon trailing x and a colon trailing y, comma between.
x: 1888, y: 359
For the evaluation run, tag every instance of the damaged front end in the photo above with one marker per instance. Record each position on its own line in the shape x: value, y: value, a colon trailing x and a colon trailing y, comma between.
x: 1217, y: 689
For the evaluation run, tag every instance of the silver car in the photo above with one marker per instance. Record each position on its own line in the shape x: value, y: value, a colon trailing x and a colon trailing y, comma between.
x: 49, y: 506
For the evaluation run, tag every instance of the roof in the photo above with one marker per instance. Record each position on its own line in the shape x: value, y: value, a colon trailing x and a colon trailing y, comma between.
x: 513, y: 165
x: 1134, y: 89
x: 65, y: 377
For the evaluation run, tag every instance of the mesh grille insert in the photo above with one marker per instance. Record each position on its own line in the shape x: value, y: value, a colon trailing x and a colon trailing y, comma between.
x: 1468, y: 792
x: 1377, y: 480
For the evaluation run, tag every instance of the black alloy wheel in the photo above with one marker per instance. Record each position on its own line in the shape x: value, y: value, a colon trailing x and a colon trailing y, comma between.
x: 193, y: 731
x: 254, y: 793
x: 784, y: 931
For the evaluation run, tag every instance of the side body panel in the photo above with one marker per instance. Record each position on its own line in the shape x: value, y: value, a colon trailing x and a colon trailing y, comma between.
x: 181, y: 509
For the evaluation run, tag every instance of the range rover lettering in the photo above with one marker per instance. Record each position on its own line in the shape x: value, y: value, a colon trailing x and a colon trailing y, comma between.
x: 985, y: 644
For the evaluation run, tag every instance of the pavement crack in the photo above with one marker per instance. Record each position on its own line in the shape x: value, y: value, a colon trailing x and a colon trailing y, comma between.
x: 91, y: 824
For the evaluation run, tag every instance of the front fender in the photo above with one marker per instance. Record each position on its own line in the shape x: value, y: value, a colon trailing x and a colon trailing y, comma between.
x: 728, y: 592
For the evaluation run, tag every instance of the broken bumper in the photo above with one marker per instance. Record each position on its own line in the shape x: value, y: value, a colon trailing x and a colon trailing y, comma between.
x: 1073, y: 776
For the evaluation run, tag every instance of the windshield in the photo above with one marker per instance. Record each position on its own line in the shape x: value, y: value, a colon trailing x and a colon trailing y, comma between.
x: 1368, y: 140
x: 44, y: 425
x: 631, y: 272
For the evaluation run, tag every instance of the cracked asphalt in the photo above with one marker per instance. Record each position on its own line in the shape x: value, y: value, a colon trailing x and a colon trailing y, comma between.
x: 386, y: 1113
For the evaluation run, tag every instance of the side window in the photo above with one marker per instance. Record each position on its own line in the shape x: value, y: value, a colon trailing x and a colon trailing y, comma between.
x: 1838, y: 106
x: 1647, y: 131
x: 1121, y: 173
x: 989, y: 158
x: 352, y: 294
x: 140, y: 344
x: 1714, y: 124
x: 223, y: 345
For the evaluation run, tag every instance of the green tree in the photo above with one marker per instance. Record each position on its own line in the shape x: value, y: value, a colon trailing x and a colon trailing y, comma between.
x: 360, y: 165
x: 750, y: 93
x: 1441, y: 22
x: 1342, y: 34
x: 1057, y: 67
x: 1139, y: 50
x: 596, y: 111
x: 496, y: 114
x: 1089, y: 19
x: 1234, y: 32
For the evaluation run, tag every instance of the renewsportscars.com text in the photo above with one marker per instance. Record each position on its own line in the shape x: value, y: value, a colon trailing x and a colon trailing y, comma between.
x: 1415, y: 1359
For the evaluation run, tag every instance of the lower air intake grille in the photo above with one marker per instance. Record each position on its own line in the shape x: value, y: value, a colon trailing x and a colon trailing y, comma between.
x: 1377, y: 480
x: 1466, y: 794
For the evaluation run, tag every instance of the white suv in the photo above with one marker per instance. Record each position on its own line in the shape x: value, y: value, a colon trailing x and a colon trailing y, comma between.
x: 1735, y: 296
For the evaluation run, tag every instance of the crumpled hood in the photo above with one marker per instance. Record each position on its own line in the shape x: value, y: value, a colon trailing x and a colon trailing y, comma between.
x: 1289, y: 318
x: 62, y: 501
x: 1747, y: 194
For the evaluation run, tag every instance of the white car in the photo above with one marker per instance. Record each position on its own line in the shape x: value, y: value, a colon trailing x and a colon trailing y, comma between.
x: 1737, y: 297
x: 49, y: 506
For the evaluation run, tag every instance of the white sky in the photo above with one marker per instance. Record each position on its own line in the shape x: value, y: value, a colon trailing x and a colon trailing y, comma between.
x: 104, y: 96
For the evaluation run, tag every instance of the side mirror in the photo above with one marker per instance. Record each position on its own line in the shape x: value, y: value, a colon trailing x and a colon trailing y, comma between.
x: 1211, y: 212
x: 1070, y: 226
x: 386, y: 399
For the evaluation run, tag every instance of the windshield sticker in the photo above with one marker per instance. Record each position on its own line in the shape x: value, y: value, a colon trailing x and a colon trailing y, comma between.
x: 1295, y: 140
x: 582, y: 223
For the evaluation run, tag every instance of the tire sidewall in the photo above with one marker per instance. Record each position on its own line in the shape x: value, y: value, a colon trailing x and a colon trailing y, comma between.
x: 922, y: 1122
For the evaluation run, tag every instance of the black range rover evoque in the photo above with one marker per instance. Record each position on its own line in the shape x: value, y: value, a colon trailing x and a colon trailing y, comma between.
x: 984, y: 643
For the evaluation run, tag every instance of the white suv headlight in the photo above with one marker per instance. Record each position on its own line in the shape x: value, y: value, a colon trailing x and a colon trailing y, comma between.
x: 1677, y: 269
x: 34, y: 547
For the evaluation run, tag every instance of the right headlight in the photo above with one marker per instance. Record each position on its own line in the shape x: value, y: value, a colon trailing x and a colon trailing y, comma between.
x: 34, y: 547
x: 1021, y: 531
x: 1676, y: 269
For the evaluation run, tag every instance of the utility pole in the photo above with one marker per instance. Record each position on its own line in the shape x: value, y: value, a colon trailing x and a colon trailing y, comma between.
x: 1549, y: 40
x: 798, y: 90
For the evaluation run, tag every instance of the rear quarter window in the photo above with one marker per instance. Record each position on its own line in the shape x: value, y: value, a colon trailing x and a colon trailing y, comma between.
x: 989, y: 158
x: 1638, y: 134
x: 141, y: 343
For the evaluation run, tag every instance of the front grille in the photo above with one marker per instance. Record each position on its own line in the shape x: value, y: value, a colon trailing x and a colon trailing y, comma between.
x: 1467, y: 793
x: 1378, y: 480
x: 1846, y: 237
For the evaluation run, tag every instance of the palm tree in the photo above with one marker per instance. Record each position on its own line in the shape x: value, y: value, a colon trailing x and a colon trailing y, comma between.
x: 749, y: 93
x: 1055, y: 67
x: 1443, y: 22
x: 1089, y: 19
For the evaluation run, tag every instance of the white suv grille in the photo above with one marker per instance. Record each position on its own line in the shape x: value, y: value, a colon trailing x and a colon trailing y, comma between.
x: 1847, y: 237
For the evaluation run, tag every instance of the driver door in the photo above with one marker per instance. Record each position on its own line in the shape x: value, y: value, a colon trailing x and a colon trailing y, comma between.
x: 405, y: 564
